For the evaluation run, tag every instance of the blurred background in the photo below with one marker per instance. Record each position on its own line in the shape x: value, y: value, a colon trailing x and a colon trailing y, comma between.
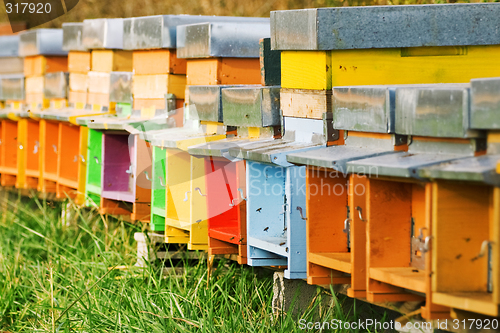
x: 128, y: 8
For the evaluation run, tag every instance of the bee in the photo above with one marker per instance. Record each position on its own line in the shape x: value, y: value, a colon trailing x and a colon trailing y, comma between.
x: 241, y: 239
x: 266, y: 229
x: 286, y: 250
x: 198, y: 221
x: 231, y: 238
x: 258, y: 210
x: 285, y: 229
x: 281, y: 244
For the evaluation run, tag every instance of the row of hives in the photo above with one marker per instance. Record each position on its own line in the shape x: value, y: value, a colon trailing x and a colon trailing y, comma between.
x: 337, y: 149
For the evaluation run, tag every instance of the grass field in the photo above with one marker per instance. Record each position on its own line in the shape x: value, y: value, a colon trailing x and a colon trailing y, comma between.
x: 59, y: 277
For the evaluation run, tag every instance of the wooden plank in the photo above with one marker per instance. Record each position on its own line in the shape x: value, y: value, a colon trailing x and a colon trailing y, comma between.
x: 34, y: 85
x: 357, y: 198
x: 306, y: 70
x: 82, y: 164
x: 98, y: 99
x: 478, y: 302
x: 156, y: 86
x: 404, y: 277
x: 49, y: 133
x: 78, y: 82
x: 79, y: 62
x: 338, y: 261
x: 150, y: 62
x: 389, y: 216
x: 460, y: 215
x: 111, y: 61
x: 77, y: 97
x: 431, y: 310
x: 98, y: 82
x: 40, y: 65
x: 198, y: 210
x: 143, y: 103
x: 305, y: 103
x: 326, y: 208
x: 223, y: 71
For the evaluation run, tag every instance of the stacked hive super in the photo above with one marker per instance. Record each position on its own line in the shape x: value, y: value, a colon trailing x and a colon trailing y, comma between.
x: 104, y: 37
x: 373, y: 232
x: 63, y: 144
x: 11, y: 99
x: 185, y: 200
x: 79, y: 64
x: 253, y: 113
x: 109, y: 88
x: 45, y: 64
x: 43, y: 54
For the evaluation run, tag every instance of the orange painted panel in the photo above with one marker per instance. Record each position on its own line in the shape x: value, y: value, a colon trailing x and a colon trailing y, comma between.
x: 79, y: 62
x: 158, y: 62
x: 223, y: 71
x: 39, y: 65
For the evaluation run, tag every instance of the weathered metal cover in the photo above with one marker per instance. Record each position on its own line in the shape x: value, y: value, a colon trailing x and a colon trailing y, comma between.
x: 335, y: 157
x: 253, y: 106
x: 11, y: 65
x: 12, y: 87
x: 208, y: 101
x: 221, y: 148
x: 120, y: 90
x: 437, y: 110
x: 103, y: 33
x: 364, y: 108
x: 485, y: 103
x: 398, y: 164
x: 72, y: 36
x: 55, y: 85
x: 385, y: 26
x: 220, y: 39
x: 41, y: 42
x: 9, y: 46
x: 479, y: 169
x: 160, y: 31
x: 301, y: 134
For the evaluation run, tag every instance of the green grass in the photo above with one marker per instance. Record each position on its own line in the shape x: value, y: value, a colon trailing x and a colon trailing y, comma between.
x: 57, y: 278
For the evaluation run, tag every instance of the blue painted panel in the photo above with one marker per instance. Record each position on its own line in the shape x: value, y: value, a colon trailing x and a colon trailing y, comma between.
x: 295, y: 191
x: 276, y: 230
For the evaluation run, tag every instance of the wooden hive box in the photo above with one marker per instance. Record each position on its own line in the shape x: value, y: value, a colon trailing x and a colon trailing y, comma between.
x: 399, y: 199
x: 336, y: 241
x: 465, y: 253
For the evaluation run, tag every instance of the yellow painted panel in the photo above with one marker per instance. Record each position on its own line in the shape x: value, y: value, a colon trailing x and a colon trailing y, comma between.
x: 178, y: 196
x: 198, y: 209
x: 306, y: 70
x: 388, y: 66
x: 254, y: 132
